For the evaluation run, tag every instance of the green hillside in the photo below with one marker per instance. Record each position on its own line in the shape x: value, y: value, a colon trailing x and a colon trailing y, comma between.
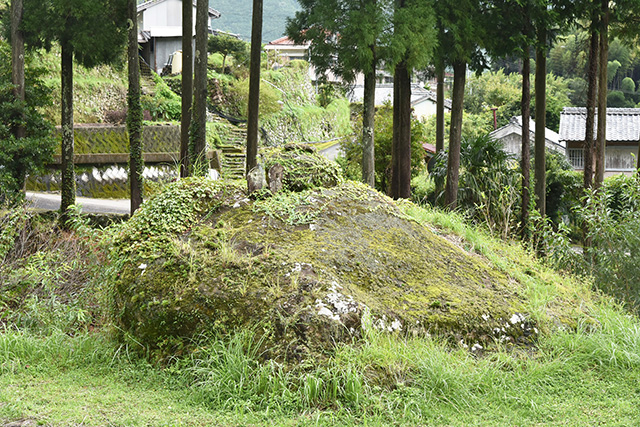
x: 236, y: 17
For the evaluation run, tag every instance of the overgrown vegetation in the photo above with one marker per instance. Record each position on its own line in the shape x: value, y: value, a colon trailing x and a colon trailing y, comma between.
x: 351, y: 162
x: 612, y: 221
x: 161, y: 310
x: 20, y: 157
x: 53, y: 312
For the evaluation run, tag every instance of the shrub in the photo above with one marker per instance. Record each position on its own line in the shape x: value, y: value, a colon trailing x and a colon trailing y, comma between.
x: 612, y: 218
x: 164, y: 104
x: 564, y: 188
x: 21, y: 156
x: 489, y: 183
x: 269, y: 98
x: 383, y: 137
x: 303, y: 169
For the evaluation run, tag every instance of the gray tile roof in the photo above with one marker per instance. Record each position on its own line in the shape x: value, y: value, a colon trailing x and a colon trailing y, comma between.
x: 515, y: 125
x: 384, y: 92
x: 623, y: 124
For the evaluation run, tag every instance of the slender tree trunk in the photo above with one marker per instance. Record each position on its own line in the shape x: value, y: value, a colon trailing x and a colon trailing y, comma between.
x: 17, y: 58
x: 525, y: 108
x: 368, y: 117
x: 68, y: 193
x: 17, y: 74
x: 134, y: 111
x: 601, y: 135
x: 187, y: 85
x: 455, y: 136
x: 541, y: 110
x: 254, y: 86
x: 589, y: 148
x: 198, y: 158
x: 393, y: 182
x: 592, y: 77
x: 401, y: 156
x: 440, y: 106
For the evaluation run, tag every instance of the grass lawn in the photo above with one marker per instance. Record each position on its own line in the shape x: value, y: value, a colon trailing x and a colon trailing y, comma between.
x: 63, y: 381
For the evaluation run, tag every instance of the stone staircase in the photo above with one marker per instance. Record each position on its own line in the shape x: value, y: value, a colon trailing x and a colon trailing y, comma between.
x: 232, y: 150
x: 147, y: 84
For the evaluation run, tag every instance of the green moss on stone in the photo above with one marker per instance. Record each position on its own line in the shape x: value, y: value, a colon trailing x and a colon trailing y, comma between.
x: 201, y: 257
x: 303, y: 168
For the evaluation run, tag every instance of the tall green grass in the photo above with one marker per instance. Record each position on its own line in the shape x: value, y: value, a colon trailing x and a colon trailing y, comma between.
x: 383, y: 379
x: 585, y: 366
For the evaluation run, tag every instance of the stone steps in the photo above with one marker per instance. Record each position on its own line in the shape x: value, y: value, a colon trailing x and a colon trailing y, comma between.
x: 147, y: 85
x: 233, y: 154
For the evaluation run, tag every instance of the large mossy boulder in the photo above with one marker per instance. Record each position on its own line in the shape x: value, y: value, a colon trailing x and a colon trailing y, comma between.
x: 304, y: 168
x: 306, y: 270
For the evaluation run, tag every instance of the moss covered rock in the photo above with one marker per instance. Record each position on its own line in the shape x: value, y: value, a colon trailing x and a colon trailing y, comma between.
x: 306, y: 269
x: 303, y: 167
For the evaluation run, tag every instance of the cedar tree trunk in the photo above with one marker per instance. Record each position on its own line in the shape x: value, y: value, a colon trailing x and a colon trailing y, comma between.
x: 592, y: 78
x: 134, y: 110
x: 440, y: 107
x: 17, y: 58
x: 198, y: 158
x: 254, y: 86
x: 401, y: 155
x: 525, y: 108
x: 455, y: 135
x: 541, y: 109
x: 187, y: 85
x: 68, y: 193
x: 601, y: 136
x: 368, y: 117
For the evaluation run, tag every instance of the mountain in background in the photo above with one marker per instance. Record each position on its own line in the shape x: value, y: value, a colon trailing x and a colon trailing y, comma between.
x: 236, y: 17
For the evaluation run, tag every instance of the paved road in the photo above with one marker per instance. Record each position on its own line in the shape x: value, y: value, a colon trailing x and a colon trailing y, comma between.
x: 332, y: 152
x: 51, y: 202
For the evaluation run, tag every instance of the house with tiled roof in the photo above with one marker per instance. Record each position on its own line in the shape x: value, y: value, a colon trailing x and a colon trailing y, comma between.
x: 511, y: 137
x: 160, y: 30
x: 287, y: 49
x: 284, y: 50
x: 622, y: 136
x: 423, y: 101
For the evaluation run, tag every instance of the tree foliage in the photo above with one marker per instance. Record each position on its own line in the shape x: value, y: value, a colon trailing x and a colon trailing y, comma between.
x: 228, y: 45
x: 21, y: 156
x: 89, y: 32
x: 383, y: 140
x: 95, y: 30
x: 342, y: 34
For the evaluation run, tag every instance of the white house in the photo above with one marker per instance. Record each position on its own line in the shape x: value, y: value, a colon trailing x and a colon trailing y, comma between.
x: 622, y: 136
x: 423, y: 101
x: 287, y: 50
x: 284, y: 50
x: 160, y: 30
x: 511, y: 137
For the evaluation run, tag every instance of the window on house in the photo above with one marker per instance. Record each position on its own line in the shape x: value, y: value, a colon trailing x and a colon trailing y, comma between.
x: 576, y: 157
x: 620, y: 158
